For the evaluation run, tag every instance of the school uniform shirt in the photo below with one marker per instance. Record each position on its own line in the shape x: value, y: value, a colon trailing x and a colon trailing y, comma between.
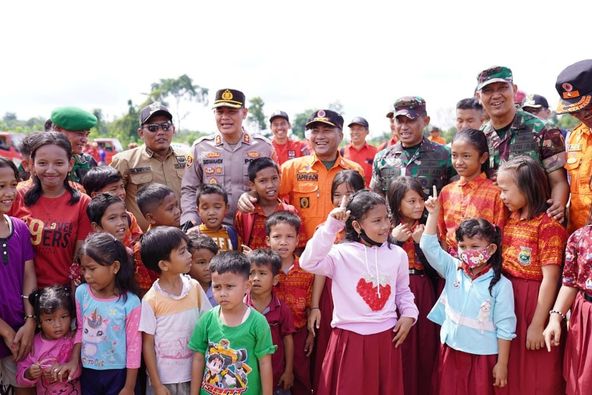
x: 363, y: 157
x: 306, y: 185
x: 55, y: 227
x: 231, y: 353
x: 279, y: 318
x: 369, y: 284
x: 138, y: 167
x: 15, y: 250
x: 579, y: 170
x: 46, y: 353
x: 251, y: 226
x: 108, y: 330
x: 577, y: 272
x: 290, y: 150
x: 474, y: 319
x: 144, y: 277
x: 133, y: 233
x: 222, y: 237
x: 527, y: 135
x: 295, y: 289
x: 478, y: 198
x: 529, y: 244
x: 171, y: 320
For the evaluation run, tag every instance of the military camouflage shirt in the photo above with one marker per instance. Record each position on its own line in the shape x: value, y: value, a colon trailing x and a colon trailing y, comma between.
x: 430, y: 164
x: 527, y: 135
x: 82, y: 164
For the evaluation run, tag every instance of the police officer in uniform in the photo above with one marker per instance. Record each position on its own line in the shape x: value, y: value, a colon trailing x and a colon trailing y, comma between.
x: 153, y: 161
x: 224, y: 157
x: 75, y: 124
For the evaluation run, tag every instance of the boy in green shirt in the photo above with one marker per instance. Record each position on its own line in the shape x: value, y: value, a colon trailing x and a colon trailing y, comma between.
x: 232, y: 342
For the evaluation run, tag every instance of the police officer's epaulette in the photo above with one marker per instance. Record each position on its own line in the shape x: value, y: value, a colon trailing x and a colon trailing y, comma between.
x: 261, y: 137
x: 203, y: 138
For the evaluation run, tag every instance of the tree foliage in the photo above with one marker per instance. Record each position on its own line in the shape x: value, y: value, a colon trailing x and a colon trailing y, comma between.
x: 256, y: 114
x: 299, y: 122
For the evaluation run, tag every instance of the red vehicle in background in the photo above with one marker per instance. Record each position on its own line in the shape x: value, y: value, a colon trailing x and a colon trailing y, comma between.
x: 10, y: 146
x: 103, y: 149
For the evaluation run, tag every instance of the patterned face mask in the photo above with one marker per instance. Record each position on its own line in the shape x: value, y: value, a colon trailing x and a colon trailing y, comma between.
x: 474, y: 258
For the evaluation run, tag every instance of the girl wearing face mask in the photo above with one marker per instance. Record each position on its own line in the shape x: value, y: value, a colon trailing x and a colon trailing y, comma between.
x: 479, y: 320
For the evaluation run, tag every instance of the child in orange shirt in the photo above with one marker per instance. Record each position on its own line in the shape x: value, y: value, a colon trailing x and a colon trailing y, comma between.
x: 532, y: 249
x: 294, y: 289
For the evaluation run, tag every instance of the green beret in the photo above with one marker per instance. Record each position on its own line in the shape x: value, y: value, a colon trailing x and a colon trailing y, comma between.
x: 73, y: 118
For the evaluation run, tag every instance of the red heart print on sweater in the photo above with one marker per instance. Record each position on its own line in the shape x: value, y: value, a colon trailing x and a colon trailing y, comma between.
x: 369, y: 293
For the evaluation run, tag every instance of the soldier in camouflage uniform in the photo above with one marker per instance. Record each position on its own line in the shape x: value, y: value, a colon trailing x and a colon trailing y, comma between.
x: 511, y: 132
x: 223, y: 158
x: 413, y: 155
x: 75, y: 124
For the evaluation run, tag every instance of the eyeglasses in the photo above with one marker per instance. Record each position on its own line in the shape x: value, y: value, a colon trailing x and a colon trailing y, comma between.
x: 153, y: 127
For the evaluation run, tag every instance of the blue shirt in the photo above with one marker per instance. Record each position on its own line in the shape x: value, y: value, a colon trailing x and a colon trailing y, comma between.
x: 474, y: 320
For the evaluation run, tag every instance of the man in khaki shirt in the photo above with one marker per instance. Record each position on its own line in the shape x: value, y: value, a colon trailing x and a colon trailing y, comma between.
x: 223, y: 158
x: 153, y: 161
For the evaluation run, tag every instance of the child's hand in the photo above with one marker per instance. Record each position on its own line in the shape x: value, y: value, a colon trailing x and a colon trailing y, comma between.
x: 500, y: 375
x: 402, y: 330
x: 126, y: 391
x: 418, y: 232
x: 552, y: 334
x: 286, y: 380
x: 308, y: 345
x: 34, y: 372
x: 340, y: 213
x: 314, y: 321
x: 401, y: 233
x: 161, y: 390
x: 534, y: 338
x: 246, y: 249
x: 66, y: 371
x: 432, y: 204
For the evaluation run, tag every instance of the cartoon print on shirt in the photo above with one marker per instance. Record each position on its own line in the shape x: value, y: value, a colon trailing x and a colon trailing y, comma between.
x: 94, y: 331
x: 226, y: 369
x: 484, y: 316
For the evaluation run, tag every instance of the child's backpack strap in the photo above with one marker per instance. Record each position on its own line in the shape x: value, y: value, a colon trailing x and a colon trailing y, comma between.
x: 233, y: 237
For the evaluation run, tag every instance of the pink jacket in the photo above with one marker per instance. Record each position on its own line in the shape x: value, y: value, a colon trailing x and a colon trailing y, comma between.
x: 369, y: 283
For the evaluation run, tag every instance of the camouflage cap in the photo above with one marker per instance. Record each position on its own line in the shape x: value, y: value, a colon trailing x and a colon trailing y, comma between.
x: 279, y: 114
x: 73, y: 119
x: 494, y: 74
x: 535, y: 101
x: 574, y: 85
x: 412, y: 107
x: 328, y: 117
x: 229, y: 98
x: 153, y: 109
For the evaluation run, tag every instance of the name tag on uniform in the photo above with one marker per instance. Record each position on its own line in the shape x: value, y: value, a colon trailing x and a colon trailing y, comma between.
x: 138, y: 170
x: 307, y: 176
x: 574, y: 147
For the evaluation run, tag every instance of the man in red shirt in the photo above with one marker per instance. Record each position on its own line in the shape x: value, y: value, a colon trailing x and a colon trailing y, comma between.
x: 285, y: 148
x: 394, y: 137
x: 358, y: 150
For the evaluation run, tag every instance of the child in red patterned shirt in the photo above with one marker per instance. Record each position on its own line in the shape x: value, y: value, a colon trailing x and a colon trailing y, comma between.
x: 532, y: 249
x: 294, y: 289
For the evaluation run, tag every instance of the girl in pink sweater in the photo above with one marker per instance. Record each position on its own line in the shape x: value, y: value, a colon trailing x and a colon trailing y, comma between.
x: 370, y: 284
x: 52, y: 346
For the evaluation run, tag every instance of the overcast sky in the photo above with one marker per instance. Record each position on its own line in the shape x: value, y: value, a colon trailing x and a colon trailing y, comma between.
x: 294, y: 54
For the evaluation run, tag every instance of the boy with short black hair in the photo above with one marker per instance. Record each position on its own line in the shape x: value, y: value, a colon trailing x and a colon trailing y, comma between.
x: 159, y: 205
x: 295, y: 289
x: 170, y: 310
x: 264, y: 179
x: 212, y: 205
x: 107, y: 214
x: 265, y: 269
x: 203, y: 249
x: 232, y: 342
x: 106, y: 179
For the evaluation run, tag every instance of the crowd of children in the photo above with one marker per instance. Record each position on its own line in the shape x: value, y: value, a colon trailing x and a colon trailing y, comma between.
x: 395, y: 294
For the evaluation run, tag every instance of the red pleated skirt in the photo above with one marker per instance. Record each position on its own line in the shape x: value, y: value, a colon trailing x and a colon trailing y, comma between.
x: 577, y: 365
x: 461, y: 373
x: 302, y: 383
x: 361, y: 365
x: 323, y: 333
x: 420, y: 349
x: 531, y: 372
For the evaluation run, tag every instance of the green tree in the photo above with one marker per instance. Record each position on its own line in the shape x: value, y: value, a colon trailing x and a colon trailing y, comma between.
x: 125, y: 128
x: 566, y: 121
x: 178, y: 89
x: 299, y: 123
x: 101, y: 127
x: 256, y: 114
